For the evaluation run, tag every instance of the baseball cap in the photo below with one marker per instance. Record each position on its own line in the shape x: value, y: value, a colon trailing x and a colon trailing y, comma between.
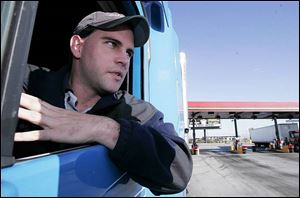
x: 109, y: 20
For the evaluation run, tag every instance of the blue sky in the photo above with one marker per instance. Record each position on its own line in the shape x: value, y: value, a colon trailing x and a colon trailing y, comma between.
x: 239, y: 51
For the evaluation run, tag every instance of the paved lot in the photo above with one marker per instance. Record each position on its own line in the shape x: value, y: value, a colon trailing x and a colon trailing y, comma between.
x: 219, y: 173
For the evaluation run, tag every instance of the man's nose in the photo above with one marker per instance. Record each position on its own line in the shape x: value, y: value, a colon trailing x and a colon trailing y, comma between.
x: 123, y: 58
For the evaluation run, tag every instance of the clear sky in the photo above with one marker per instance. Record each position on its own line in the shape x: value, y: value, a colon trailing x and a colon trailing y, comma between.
x: 239, y: 51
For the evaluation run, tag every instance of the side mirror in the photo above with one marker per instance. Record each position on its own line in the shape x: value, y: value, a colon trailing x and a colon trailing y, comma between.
x: 155, y: 15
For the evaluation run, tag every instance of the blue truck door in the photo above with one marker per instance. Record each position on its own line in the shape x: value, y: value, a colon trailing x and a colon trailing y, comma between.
x: 80, y: 172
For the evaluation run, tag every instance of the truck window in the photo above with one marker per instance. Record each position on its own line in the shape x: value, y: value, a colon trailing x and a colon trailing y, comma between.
x: 49, y: 48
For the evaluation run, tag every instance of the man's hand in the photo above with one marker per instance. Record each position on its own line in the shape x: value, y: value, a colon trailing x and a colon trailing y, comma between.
x: 64, y: 126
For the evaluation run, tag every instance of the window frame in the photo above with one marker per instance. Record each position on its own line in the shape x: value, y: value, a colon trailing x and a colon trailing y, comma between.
x: 15, y: 48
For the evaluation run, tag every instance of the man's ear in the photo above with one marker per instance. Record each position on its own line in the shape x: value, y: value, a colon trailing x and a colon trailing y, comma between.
x: 76, y: 44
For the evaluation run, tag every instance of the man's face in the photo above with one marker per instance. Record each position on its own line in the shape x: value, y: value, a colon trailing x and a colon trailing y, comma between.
x: 105, y: 59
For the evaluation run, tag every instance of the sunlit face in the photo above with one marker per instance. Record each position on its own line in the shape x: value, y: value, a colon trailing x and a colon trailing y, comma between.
x: 105, y: 58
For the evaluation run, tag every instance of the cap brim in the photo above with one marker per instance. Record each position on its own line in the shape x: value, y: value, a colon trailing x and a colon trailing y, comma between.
x: 137, y: 23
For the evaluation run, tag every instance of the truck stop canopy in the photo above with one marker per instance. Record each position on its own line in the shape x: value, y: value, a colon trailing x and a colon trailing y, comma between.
x: 243, y: 110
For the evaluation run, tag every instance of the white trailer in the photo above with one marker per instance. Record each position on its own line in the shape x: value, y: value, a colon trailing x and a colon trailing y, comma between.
x: 266, y: 135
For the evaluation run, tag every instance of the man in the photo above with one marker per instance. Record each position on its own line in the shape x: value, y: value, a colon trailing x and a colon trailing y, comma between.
x: 83, y: 104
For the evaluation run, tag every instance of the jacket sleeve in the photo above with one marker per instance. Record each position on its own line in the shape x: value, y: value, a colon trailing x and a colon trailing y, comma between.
x: 153, y: 155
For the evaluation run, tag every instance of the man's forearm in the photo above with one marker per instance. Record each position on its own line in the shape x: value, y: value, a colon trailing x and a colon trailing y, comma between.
x: 153, y: 157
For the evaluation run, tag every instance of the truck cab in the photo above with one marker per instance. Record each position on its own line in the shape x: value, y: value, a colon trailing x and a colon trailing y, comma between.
x: 38, y: 33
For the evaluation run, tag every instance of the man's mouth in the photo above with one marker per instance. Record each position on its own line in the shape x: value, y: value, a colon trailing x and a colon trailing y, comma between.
x: 117, y: 75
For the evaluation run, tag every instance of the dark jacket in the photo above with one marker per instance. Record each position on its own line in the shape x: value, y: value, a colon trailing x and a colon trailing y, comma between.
x: 148, y: 149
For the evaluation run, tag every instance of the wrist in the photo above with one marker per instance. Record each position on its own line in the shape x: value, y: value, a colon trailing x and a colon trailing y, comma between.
x: 107, y: 132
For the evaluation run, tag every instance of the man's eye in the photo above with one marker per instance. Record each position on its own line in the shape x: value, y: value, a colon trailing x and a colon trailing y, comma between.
x: 111, y: 44
x: 130, y: 54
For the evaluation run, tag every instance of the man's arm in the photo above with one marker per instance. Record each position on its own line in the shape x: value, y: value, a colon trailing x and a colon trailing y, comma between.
x: 151, y: 153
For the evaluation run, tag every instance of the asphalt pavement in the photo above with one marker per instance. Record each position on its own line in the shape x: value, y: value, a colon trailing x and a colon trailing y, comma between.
x: 219, y: 173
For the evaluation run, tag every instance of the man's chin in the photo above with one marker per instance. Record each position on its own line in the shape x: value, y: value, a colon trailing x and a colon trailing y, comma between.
x: 109, y: 91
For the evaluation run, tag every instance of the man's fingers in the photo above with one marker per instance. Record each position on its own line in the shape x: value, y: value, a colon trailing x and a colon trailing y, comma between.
x: 30, y: 102
x: 46, y: 135
x: 34, y: 103
x: 31, y: 136
x: 30, y: 116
